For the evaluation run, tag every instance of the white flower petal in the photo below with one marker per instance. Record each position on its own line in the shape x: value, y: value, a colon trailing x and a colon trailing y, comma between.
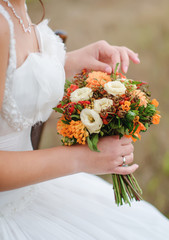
x: 91, y: 120
x: 102, y: 104
x: 115, y: 88
x: 81, y: 94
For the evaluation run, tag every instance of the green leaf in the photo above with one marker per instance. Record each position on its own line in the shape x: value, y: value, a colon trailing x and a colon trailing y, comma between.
x: 141, y: 109
x: 121, y: 130
x: 101, y: 133
x: 63, y: 103
x: 135, y: 137
x: 67, y: 84
x: 150, y: 109
x: 113, y: 125
x: 75, y: 116
x: 119, y: 123
x: 143, y: 118
x: 89, y: 142
x: 130, y: 115
x: 58, y: 110
x: 65, y: 122
x: 136, y: 128
x: 79, y: 107
x: 95, y: 139
x: 136, y: 82
x: 92, y: 143
x: 115, y: 70
x: 127, y: 132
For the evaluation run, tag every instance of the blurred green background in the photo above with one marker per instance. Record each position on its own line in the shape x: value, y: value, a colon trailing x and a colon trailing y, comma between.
x: 144, y: 27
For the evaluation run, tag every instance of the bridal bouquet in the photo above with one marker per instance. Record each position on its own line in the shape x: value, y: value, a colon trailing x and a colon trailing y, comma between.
x: 97, y: 104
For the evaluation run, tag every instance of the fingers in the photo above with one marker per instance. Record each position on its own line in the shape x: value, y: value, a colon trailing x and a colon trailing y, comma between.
x: 126, y: 170
x: 125, y: 55
x: 115, y: 58
x: 101, y: 66
x: 133, y: 56
x: 125, y: 141
x: 114, y: 54
x: 127, y: 149
x: 128, y: 159
x: 124, y: 60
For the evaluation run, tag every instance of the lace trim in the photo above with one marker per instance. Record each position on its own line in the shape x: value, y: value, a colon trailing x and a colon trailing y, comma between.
x: 10, y: 111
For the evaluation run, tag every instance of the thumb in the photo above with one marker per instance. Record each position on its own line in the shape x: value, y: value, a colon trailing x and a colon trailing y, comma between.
x: 100, y: 66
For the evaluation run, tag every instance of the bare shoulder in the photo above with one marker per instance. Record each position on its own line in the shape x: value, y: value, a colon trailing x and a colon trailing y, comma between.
x: 4, y: 29
x: 4, y: 53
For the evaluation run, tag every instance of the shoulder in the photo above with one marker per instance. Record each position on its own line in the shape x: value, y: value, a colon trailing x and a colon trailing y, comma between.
x: 4, y: 39
x: 4, y: 30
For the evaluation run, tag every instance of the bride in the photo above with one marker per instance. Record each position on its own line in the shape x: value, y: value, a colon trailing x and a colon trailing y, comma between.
x: 73, y: 204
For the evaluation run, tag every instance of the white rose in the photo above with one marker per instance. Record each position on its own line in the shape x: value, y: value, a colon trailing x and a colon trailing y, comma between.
x: 115, y: 88
x: 91, y: 120
x: 81, y: 94
x: 102, y: 104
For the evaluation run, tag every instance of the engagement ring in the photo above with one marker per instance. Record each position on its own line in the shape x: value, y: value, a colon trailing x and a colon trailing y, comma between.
x: 124, y: 161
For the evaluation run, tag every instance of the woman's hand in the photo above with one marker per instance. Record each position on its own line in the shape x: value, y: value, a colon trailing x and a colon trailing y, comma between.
x: 110, y: 157
x: 99, y: 56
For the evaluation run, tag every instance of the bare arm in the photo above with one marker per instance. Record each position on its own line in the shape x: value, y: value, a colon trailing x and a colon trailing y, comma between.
x: 18, y: 169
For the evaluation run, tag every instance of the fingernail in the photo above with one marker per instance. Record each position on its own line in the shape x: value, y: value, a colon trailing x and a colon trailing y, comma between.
x: 125, y: 69
x: 108, y: 69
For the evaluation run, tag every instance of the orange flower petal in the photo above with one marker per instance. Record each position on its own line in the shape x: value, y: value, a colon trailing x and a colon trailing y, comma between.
x: 155, y: 102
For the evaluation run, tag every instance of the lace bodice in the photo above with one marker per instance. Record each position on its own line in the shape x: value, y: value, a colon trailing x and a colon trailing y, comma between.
x: 33, y: 89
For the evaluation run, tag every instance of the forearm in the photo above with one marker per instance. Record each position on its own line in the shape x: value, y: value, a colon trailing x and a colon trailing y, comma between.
x: 18, y: 169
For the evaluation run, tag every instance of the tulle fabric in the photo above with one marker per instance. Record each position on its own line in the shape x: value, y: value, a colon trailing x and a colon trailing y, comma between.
x: 81, y: 207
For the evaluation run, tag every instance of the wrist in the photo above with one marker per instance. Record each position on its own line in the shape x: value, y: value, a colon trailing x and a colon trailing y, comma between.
x: 69, y: 65
x: 80, y: 158
x: 73, y: 63
x: 71, y: 158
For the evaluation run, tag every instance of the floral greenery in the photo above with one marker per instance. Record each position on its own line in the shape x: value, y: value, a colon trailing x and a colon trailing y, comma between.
x: 97, y: 104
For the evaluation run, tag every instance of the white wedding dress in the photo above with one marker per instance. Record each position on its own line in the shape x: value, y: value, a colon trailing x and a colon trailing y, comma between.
x: 76, y: 207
